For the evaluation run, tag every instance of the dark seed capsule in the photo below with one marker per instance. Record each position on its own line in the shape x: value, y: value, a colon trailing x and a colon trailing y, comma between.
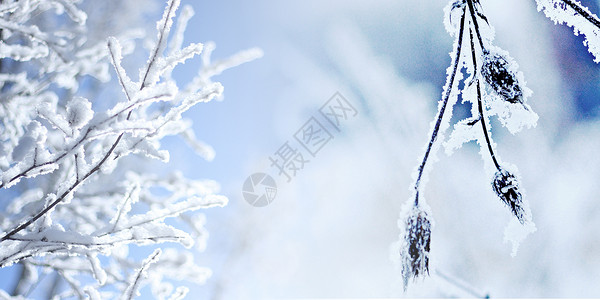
x: 416, y: 245
x: 496, y: 72
x: 506, y: 187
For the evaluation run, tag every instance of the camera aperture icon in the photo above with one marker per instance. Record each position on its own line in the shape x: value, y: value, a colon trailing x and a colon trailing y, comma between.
x: 259, y: 189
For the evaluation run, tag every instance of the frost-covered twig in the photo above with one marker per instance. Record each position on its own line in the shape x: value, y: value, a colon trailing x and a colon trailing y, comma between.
x: 572, y: 13
x: 461, y: 285
x: 442, y: 106
x: 63, y: 195
x: 132, y: 289
x: 583, y: 11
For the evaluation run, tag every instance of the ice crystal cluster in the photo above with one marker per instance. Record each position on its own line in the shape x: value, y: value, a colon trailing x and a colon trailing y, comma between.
x: 495, y: 87
x: 74, y: 195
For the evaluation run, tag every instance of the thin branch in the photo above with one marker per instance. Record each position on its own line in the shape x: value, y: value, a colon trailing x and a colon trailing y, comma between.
x: 122, y: 208
x: 54, y: 287
x: 50, y: 162
x: 63, y: 195
x: 116, y: 63
x: 131, y: 290
x: 161, y: 36
x: 67, y: 246
x: 583, y: 12
x: 17, y: 285
x: 461, y: 285
x: 73, y: 284
x: 479, y: 102
x: 475, y: 24
x: 440, y: 114
x: 76, y: 167
x: 483, y: 126
x: 164, y: 215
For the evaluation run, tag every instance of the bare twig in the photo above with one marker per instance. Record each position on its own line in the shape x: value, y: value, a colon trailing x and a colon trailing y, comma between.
x: 583, y: 12
x: 448, y: 88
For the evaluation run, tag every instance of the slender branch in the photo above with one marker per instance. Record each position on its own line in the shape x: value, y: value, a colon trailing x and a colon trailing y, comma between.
x: 479, y: 102
x: 483, y: 126
x: 22, y: 275
x: 583, y: 12
x: 161, y: 36
x: 475, y: 24
x: 461, y: 285
x: 440, y: 115
x: 131, y: 191
x: 35, y: 285
x: 131, y: 290
x: 63, y: 195
x: 50, y: 162
x: 75, y: 286
x: 54, y: 287
x: 163, y: 215
x: 76, y: 167
x: 118, y: 71
x: 65, y: 246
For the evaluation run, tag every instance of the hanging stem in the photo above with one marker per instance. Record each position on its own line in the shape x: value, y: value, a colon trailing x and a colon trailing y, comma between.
x: 475, y: 24
x: 479, y: 102
x: 485, y: 132
x: 440, y: 115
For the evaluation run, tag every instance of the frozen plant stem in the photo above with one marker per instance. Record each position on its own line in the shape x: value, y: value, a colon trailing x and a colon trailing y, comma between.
x: 440, y: 115
x: 479, y: 102
x: 583, y: 12
x: 476, y: 25
x: 483, y: 126
x: 461, y: 285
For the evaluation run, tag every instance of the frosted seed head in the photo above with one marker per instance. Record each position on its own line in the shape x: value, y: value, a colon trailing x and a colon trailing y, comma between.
x: 415, y: 245
x: 496, y: 70
x: 506, y: 186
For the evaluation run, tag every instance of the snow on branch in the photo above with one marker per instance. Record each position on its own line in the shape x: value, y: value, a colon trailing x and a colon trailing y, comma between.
x: 78, y: 197
x: 573, y: 14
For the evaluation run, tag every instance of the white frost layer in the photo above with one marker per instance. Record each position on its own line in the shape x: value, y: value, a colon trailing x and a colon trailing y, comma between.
x: 561, y: 13
x: 516, y: 232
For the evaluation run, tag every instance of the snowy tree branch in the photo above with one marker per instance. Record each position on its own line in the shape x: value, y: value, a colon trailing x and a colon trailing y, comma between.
x: 84, y: 195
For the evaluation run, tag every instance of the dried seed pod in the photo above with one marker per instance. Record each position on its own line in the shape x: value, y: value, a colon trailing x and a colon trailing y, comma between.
x: 500, y: 76
x: 506, y: 186
x: 415, y: 248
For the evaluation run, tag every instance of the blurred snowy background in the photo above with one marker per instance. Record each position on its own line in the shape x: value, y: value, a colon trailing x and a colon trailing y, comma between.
x: 329, y: 231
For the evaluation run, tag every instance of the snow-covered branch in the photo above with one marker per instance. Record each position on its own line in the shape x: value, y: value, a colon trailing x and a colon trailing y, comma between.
x: 78, y: 200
